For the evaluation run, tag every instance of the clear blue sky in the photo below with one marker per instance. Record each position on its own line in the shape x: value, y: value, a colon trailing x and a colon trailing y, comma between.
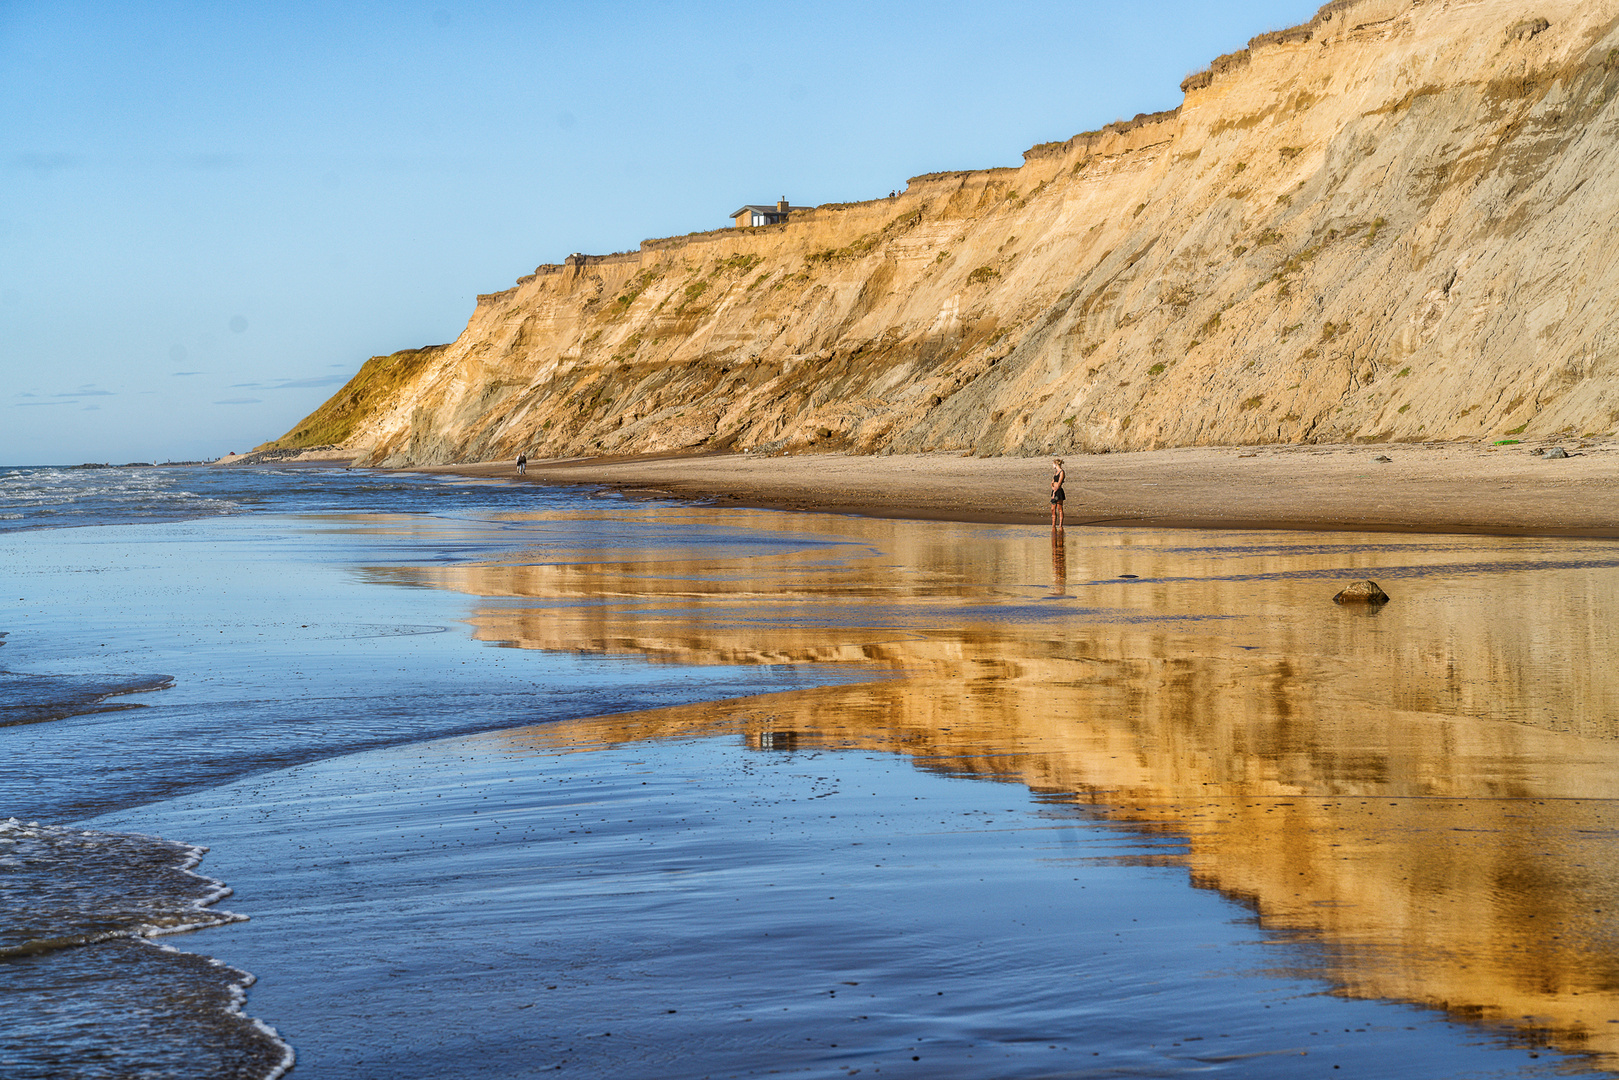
x: 211, y: 214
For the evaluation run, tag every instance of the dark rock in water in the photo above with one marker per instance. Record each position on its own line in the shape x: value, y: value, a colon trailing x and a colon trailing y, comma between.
x: 93, y: 465
x: 1557, y: 452
x: 1362, y: 592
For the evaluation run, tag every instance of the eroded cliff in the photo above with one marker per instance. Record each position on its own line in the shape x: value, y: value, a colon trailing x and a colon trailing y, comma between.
x: 1396, y: 222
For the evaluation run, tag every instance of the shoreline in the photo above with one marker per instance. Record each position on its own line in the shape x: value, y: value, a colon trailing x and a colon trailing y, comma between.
x: 1452, y: 488
x: 1100, y: 733
x: 631, y: 867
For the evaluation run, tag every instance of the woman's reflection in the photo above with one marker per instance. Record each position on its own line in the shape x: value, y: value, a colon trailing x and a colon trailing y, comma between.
x: 1059, y: 564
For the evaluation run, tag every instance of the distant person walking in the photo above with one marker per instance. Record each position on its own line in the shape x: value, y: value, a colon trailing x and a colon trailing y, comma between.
x: 522, y: 464
x: 1057, y: 495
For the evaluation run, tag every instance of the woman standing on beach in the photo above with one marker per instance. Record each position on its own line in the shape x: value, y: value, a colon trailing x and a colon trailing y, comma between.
x: 1057, y: 496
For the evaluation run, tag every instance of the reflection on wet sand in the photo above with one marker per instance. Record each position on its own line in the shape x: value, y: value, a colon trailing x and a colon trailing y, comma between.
x: 1423, y: 796
x: 1059, y: 563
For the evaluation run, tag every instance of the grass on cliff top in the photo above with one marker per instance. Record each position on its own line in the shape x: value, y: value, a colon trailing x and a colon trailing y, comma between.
x: 373, y: 386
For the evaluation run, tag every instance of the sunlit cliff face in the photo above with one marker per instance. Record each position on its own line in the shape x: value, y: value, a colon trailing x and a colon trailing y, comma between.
x: 1390, y: 223
x: 1424, y: 793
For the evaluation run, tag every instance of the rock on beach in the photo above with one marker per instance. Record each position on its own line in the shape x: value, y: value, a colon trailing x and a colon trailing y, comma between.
x: 1361, y: 592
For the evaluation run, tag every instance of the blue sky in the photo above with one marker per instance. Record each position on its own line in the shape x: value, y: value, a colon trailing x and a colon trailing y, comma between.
x: 211, y: 214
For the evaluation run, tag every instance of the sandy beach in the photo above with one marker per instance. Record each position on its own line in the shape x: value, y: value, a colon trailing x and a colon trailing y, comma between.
x: 1146, y: 802
x: 513, y: 777
x: 1432, y: 488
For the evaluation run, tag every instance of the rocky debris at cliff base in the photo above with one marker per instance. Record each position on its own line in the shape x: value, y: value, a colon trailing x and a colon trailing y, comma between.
x: 334, y: 455
x: 1361, y: 592
x: 1556, y: 452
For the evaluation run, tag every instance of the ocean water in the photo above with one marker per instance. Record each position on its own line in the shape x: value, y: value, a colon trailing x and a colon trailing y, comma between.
x: 35, y: 497
x: 483, y: 779
x: 174, y: 629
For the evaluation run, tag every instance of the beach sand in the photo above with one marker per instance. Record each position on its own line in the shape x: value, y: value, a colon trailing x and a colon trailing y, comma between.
x: 1146, y: 802
x: 688, y: 893
x: 1132, y: 801
x: 1435, y: 487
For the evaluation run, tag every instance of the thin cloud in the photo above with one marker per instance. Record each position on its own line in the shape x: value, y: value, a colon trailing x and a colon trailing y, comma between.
x: 299, y: 384
x: 86, y: 393
x: 177, y: 374
x: 58, y: 160
x: 208, y: 162
x: 243, y: 385
x: 44, y: 162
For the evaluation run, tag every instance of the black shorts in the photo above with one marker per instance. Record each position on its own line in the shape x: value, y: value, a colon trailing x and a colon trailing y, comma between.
x: 1057, y: 496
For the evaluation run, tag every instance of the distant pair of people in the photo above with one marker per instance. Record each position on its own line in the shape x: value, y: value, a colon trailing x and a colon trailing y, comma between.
x: 522, y: 464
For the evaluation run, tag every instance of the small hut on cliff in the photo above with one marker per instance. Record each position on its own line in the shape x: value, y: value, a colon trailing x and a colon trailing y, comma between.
x: 750, y: 216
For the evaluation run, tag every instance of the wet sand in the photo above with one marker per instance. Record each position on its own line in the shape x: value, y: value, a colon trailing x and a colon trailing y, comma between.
x: 1124, y: 801
x: 1439, y: 487
x: 777, y: 886
x: 1196, y: 818
x: 1421, y: 797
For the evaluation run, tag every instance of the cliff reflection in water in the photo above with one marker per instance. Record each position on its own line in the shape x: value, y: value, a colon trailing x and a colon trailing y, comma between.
x: 1423, y: 794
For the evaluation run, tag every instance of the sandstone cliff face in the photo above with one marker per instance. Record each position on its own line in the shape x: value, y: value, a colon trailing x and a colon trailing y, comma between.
x: 1397, y: 222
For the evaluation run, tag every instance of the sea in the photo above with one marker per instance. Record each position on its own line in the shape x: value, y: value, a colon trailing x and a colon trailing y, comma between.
x: 351, y: 773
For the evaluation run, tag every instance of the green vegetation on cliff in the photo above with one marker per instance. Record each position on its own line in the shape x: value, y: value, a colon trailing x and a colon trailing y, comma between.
x: 379, y: 380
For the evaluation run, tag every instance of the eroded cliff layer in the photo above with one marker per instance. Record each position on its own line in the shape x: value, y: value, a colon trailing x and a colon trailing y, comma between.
x: 1396, y: 222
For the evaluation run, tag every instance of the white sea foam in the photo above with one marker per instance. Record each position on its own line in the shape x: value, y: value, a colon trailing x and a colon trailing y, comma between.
x: 289, y: 1057
x: 45, y: 497
x: 65, y: 889
x: 69, y: 887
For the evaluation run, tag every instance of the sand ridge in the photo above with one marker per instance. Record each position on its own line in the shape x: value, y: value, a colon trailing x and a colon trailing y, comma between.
x: 1432, y: 487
